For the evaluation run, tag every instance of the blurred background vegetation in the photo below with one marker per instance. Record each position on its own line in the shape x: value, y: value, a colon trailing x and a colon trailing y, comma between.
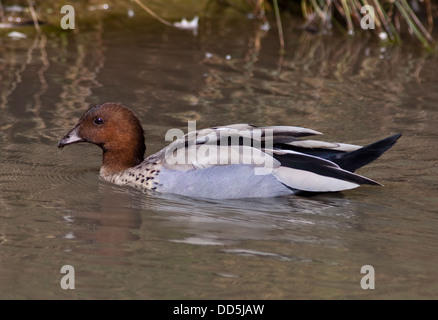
x: 395, y: 20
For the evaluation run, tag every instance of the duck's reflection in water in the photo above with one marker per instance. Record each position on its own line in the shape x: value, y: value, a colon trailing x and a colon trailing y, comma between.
x: 125, y: 215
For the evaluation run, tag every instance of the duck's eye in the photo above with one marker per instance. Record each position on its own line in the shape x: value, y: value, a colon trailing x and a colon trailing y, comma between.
x: 98, y: 121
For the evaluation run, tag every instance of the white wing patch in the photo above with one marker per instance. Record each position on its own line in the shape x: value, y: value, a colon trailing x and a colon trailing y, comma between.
x: 309, y: 181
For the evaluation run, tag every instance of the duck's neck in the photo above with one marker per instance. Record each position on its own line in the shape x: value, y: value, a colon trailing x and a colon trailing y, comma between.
x: 115, y: 161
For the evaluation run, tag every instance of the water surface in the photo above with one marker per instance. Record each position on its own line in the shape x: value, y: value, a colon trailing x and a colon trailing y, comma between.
x: 123, y: 244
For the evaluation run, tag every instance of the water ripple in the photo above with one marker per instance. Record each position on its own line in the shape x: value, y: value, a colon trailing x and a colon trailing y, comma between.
x: 36, y: 172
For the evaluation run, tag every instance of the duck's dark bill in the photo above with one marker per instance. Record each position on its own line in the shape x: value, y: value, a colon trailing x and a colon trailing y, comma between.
x: 70, y: 138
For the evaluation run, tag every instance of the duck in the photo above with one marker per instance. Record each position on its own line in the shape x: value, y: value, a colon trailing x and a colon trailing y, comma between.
x: 224, y: 162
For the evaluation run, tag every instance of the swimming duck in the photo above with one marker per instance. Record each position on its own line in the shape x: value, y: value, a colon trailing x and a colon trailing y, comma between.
x: 234, y: 161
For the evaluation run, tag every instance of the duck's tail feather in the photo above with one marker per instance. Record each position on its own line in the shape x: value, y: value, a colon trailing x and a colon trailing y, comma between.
x: 351, y: 161
x: 303, y: 172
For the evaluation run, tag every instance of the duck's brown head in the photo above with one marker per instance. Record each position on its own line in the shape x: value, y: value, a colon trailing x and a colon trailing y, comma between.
x: 116, y: 130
